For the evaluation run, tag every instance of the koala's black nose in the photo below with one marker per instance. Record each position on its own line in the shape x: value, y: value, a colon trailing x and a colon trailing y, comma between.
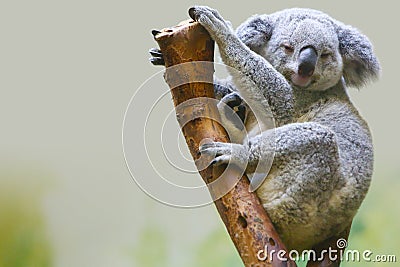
x: 307, y: 60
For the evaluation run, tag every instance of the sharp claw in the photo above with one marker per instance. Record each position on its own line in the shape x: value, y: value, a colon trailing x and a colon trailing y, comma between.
x: 215, y: 163
x: 157, y: 61
x: 207, y: 145
x: 232, y: 99
x: 234, y: 102
x: 241, y: 112
x: 155, y: 32
x: 157, y: 57
x: 203, y: 150
x: 155, y: 52
x: 192, y: 13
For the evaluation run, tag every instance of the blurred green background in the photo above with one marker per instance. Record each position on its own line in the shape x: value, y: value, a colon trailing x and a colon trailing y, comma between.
x: 68, y: 70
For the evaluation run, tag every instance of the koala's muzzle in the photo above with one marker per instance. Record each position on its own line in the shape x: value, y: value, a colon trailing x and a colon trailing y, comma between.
x: 307, y: 60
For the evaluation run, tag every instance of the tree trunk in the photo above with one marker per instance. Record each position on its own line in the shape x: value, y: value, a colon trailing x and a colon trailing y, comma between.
x: 248, y: 224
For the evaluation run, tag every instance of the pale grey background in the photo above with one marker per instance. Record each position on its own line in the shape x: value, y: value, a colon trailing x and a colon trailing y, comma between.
x: 68, y: 70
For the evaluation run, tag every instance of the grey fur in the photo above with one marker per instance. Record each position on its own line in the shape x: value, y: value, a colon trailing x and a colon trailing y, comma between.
x: 323, y: 149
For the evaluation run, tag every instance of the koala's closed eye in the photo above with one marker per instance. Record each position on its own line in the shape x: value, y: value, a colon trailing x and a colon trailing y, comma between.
x: 288, y: 48
x: 326, y: 55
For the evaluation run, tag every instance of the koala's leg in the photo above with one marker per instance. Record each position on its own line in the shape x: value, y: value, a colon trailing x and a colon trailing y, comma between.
x: 261, y: 86
x: 304, y: 184
x: 307, y: 152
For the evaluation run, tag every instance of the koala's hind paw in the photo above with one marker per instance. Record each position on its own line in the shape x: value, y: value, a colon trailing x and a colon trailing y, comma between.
x: 156, y: 57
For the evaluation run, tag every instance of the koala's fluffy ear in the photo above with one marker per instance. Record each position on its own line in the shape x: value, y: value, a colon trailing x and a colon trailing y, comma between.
x: 255, y: 32
x: 360, y: 64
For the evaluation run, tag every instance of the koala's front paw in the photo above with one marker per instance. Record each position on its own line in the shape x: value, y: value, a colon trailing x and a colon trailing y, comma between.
x: 225, y: 153
x: 156, y: 57
x: 210, y: 19
x: 234, y: 109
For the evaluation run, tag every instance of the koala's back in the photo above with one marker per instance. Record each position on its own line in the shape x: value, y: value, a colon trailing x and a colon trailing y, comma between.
x: 355, y: 149
x: 306, y: 213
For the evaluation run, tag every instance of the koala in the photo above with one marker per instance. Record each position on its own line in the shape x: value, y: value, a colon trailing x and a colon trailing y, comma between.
x: 296, y: 64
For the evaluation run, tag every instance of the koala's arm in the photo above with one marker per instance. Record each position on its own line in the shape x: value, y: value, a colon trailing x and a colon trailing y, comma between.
x: 295, y: 138
x: 256, y: 79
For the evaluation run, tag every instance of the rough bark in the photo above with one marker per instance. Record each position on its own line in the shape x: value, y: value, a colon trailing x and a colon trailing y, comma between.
x: 248, y: 224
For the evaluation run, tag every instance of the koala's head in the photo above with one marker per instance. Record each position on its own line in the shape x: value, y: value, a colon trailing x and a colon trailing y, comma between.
x: 312, y: 50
